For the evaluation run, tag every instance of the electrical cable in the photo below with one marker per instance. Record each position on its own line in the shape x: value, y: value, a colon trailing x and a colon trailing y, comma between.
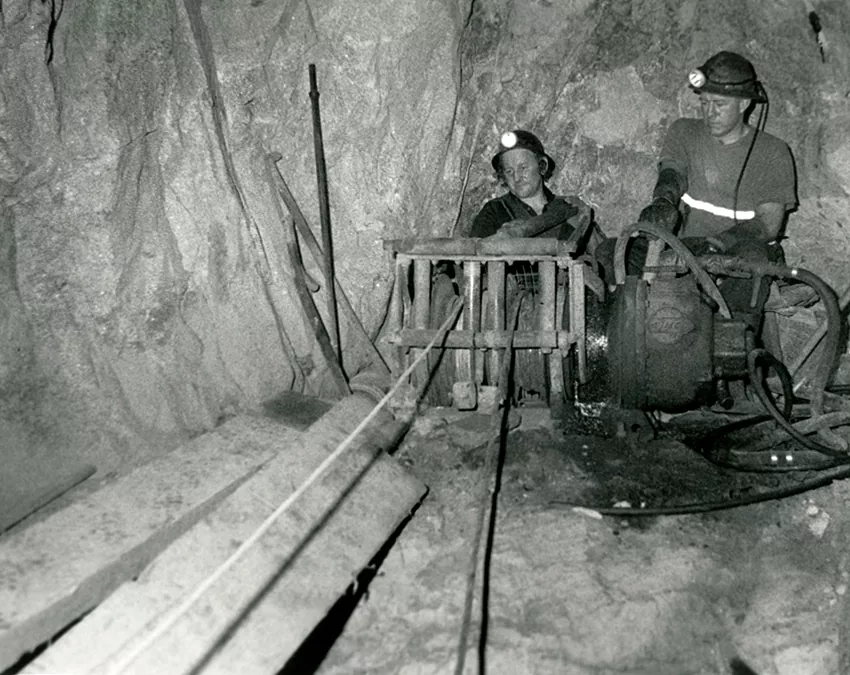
x: 490, y: 494
x: 760, y: 124
x: 743, y: 169
x: 705, y: 507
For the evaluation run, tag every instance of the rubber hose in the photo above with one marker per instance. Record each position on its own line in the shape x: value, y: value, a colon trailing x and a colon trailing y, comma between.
x: 705, y: 507
x: 784, y: 378
x: 681, y: 250
x: 830, y: 303
x: 754, y: 359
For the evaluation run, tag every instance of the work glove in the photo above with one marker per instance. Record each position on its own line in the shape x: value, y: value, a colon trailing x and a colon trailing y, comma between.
x: 742, y: 233
x: 725, y: 241
x: 660, y: 212
x: 510, y: 230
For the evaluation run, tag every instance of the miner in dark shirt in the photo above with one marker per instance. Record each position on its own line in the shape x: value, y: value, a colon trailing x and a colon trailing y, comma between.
x: 528, y: 208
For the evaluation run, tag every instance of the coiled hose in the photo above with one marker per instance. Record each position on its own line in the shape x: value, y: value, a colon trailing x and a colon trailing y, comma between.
x: 758, y: 358
x: 827, y: 297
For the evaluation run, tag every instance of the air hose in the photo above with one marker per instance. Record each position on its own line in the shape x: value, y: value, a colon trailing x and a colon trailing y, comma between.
x: 755, y: 359
x: 827, y: 298
x: 681, y: 250
x: 705, y: 507
x: 764, y: 395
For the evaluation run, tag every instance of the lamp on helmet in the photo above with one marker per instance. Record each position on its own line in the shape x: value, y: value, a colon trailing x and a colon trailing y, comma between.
x: 728, y: 74
x: 519, y: 138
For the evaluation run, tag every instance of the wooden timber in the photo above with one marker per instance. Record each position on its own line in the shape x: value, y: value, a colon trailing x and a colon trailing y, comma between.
x: 258, y: 613
x: 55, y: 570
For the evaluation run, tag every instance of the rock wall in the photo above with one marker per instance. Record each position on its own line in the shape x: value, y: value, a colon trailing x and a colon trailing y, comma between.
x: 145, y: 288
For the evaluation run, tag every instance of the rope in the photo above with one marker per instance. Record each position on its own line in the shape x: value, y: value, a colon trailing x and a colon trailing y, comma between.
x: 204, y: 586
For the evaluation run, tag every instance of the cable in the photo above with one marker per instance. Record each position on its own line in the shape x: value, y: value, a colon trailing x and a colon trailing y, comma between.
x: 204, y: 586
x: 743, y: 169
x: 785, y: 380
x: 827, y: 297
x: 779, y: 493
x: 754, y: 360
x: 499, y: 422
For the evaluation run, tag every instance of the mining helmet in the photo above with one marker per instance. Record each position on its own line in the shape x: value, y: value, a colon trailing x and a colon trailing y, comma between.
x: 728, y: 74
x: 518, y: 138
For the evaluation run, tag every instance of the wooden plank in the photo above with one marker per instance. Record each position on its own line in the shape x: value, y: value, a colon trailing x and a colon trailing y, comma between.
x: 261, y: 610
x: 277, y: 182
x: 519, y: 248
x: 54, y: 571
x: 312, y: 318
x: 29, y: 482
x: 296, y: 410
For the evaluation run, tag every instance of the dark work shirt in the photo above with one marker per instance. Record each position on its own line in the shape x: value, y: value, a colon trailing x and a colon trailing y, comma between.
x: 504, y: 209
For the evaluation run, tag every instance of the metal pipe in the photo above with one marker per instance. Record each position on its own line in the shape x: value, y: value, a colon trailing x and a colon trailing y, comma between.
x: 324, y: 214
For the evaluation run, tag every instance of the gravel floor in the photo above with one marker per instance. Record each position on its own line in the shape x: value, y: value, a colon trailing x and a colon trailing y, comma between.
x: 573, y: 594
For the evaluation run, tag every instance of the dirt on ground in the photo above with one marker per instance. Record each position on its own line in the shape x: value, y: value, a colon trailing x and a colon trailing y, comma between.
x: 566, y: 590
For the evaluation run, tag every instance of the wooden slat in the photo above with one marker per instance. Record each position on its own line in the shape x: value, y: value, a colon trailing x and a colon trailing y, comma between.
x: 520, y: 249
x: 54, y: 571
x: 29, y: 482
x: 274, y: 595
x: 486, y: 339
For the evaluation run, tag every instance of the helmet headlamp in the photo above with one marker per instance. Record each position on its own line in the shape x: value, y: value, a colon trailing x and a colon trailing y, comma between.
x: 728, y: 74
x: 509, y: 139
x: 520, y: 139
x: 697, y: 78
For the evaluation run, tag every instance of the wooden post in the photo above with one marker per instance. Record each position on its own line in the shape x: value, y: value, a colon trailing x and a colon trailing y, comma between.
x: 464, y: 393
x: 548, y: 274
x: 396, y: 318
x: 496, y: 291
x: 421, y: 311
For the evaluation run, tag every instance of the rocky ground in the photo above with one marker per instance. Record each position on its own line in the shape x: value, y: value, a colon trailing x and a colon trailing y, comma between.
x: 573, y: 593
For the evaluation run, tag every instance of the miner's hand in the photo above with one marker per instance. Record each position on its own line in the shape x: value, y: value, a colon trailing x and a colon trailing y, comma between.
x: 661, y: 212
x: 510, y: 230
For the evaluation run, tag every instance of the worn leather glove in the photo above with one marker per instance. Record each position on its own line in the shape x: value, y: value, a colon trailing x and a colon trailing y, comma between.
x: 510, y: 230
x: 747, y: 231
x: 660, y: 212
x: 723, y: 242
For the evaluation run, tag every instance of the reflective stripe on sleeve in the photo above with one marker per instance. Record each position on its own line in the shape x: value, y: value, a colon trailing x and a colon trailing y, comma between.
x: 717, y: 210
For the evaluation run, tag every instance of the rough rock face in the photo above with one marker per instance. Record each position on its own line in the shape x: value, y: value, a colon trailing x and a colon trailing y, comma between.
x: 145, y: 287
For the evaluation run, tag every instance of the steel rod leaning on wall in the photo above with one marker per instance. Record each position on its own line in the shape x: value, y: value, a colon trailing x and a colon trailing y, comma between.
x: 324, y: 215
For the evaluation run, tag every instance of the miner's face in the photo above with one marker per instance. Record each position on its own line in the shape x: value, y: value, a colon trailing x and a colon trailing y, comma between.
x: 521, y: 172
x: 723, y: 115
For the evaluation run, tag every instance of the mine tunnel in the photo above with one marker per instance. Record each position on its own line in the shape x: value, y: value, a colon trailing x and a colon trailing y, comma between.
x: 272, y: 399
